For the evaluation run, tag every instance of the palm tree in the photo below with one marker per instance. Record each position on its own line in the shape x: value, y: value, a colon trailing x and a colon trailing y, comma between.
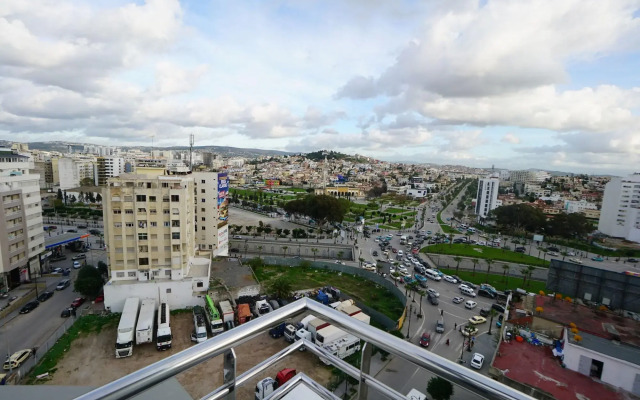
x: 284, y: 250
x: 259, y: 251
x: 340, y: 254
x: 314, y: 251
x: 359, y: 259
x: 489, y: 261
x: 530, y: 270
x: 506, y: 268
x: 475, y: 262
x: 457, y: 259
x: 422, y: 293
x: 492, y: 313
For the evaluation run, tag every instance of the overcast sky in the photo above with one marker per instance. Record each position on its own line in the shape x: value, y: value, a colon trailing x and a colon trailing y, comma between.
x: 520, y: 84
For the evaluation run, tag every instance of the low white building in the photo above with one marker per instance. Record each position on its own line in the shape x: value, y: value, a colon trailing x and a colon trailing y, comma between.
x: 609, y: 361
x: 578, y: 206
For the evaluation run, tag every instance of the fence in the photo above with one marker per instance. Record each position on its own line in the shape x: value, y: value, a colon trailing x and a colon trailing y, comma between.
x: 41, y: 350
x: 382, y: 319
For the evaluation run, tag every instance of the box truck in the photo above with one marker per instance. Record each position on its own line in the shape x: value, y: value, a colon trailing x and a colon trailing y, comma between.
x: 291, y: 329
x: 214, y: 321
x: 227, y: 311
x: 244, y: 313
x: 266, y: 386
x: 163, y: 336
x: 127, y: 327
x: 146, y: 319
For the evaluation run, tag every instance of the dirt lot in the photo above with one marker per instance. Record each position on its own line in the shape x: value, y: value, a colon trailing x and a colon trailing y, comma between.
x: 91, y: 361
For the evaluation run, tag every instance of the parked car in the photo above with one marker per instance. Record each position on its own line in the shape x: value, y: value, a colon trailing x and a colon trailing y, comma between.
x: 520, y: 249
x: 79, y: 257
x: 484, y: 312
x: 100, y: 298
x: 58, y: 258
x: 76, y: 265
x: 78, y: 302
x: 375, y: 253
x: 477, y: 360
x: 66, y: 313
x: 486, y: 293
x: 450, y: 279
x: 476, y: 319
x: 498, y: 307
x: 30, y: 306
x: 63, y: 284
x: 57, y: 270
x: 425, y: 339
x: 576, y: 260
x: 458, y: 300
x: 16, y: 359
x: 94, y: 232
x: 553, y: 248
x: 45, y: 296
x: 632, y: 260
x: 82, y: 227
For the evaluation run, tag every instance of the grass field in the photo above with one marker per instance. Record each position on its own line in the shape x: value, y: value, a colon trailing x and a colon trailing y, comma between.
x: 483, y: 252
x: 497, y: 281
x: 362, y: 289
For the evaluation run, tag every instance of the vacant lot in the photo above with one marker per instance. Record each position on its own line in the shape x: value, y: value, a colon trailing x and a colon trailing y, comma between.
x: 91, y: 361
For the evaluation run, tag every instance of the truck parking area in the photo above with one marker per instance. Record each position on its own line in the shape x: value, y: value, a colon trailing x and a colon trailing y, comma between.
x: 91, y: 361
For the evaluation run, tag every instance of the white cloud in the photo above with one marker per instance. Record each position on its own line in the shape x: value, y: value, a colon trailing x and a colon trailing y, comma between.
x: 510, y: 138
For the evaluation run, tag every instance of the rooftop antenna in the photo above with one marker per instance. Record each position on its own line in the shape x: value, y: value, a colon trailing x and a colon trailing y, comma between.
x: 191, y: 138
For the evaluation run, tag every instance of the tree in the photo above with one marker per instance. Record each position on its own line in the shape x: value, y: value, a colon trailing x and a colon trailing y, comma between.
x: 280, y: 287
x: 98, y: 198
x: 506, y: 268
x: 284, y: 250
x: 340, y: 254
x: 315, y: 252
x: 439, y: 388
x: 89, y: 281
x: 59, y: 195
x: 489, y: 263
x: 103, y: 268
x: 457, y: 259
x: 475, y: 262
x: 493, y: 313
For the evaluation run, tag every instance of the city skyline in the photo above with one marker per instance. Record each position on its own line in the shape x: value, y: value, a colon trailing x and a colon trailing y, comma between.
x: 520, y: 85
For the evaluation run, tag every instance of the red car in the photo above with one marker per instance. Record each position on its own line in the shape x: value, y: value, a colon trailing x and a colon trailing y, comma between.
x: 78, y: 302
x: 394, y: 250
x: 425, y: 339
x: 100, y: 298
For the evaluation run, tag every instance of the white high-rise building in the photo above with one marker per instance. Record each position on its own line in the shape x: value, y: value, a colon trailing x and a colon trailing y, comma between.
x: 487, y: 197
x: 109, y: 167
x: 620, y: 213
x: 21, y: 233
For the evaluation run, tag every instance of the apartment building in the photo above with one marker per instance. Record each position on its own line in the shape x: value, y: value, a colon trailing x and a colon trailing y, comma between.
x: 21, y: 233
x: 72, y: 171
x: 620, y: 213
x: 162, y: 225
x: 487, y: 196
x: 109, y: 167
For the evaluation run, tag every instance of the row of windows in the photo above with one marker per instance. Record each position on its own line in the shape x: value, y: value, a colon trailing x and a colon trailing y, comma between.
x: 152, y: 211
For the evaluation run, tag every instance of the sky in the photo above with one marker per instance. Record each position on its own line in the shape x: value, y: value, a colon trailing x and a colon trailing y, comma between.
x: 548, y: 84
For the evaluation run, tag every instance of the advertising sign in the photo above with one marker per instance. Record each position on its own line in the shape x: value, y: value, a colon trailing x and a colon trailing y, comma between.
x: 223, y: 241
x: 223, y: 199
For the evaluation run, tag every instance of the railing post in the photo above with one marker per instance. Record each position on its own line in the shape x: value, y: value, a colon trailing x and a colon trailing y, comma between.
x: 229, y: 373
x: 365, y: 367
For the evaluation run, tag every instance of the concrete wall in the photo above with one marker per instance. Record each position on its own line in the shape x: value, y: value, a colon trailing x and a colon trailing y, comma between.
x: 294, y: 248
x: 181, y: 294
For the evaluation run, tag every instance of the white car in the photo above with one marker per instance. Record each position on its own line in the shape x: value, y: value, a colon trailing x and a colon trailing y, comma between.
x: 458, y: 300
x: 76, y: 264
x: 433, y: 292
x: 405, y: 273
x: 481, y: 243
x: 571, y: 254
x: 401, y: 268
x: 576, y: 260
x: 462, y: 286
x: 553, y: 254
x: 392, y: 270
x: 451, y: 279
x: 470, y: 304
x: 477, y: 361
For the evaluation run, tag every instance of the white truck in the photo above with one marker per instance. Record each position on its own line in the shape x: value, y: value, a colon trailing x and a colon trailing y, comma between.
x: 341, y: 347
x: 127, y: 327
x: 216, y: 325
x: 227, y: 311
x: 163, y: 335
x: 146, y: 319
x: 262, y: 307
x: 199, y: 333
x: 362, y: 317
x: 290, y: 329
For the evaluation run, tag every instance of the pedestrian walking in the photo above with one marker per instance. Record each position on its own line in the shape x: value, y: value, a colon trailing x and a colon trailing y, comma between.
x: 455, y: 326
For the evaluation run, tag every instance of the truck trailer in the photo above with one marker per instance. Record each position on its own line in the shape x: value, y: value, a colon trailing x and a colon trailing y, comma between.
x: 146, y: 319
x: 163, y: 335
x: 342, y: 347
x: 127, y: 327
x: 244, y: 313
x: 227, y: 311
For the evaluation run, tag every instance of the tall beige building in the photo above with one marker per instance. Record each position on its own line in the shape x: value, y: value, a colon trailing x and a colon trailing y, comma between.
x: 21, y: 231
x: 157, y: 219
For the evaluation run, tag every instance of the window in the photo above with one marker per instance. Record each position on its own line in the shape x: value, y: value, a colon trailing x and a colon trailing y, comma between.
x: 143, y: 261
x: 132, y: 274
x: 117, y: 211
x: 117, y: 225
x: 175, y: 197
x: 129, y: 224
x: 154, y: 224
x: 204, y: 219
x: 119, y: 274
x: 143, y: 249
x: 202, y: 190
x: 203, y: 181
x: 165, y: 199
x: 165, y: 185
x: 167, y: 272
x: 175, y: 235
x: 165, y: 212
x: 152, y: 211
x: 202, y: 209
x: 142, y: 210
x: 202, y: 200
x: 129, y: 211
x: 166, y: 224
x: 141, y: 197
x: 199, y: 284
x: 156, y: 273
x: 152, y: 198
x: 168, y: 290
x: 142, y: 236
x: 175, y: 223
x: 204, y: 228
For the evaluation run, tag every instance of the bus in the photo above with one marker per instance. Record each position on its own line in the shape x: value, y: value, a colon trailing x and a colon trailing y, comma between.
x: 213, y: 316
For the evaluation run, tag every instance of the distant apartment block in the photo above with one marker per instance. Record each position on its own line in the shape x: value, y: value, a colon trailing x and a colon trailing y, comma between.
x: 620, y: 213
x: 487, y: 196
x: 109, y: 167
x: 21, y: 233
x: 72, y: 171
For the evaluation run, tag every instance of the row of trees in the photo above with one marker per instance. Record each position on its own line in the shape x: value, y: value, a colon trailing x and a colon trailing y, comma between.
x: 321, y: 208
x: 526, y: 271
x: 522, y: 217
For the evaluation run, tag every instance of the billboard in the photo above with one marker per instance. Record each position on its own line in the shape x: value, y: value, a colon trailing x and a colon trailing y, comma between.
x: 223, y: 199
x: 272, y: 182
x: 223, y: 242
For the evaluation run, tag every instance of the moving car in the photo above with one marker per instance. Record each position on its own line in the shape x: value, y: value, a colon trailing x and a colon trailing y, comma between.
x: 66, y: 313
x: 63, y: 284
x: 79, y: 257
x: 78, y: 302
x: 576, y: 260
x: 470, y: 304
x: 477, y: 360
x: 450, y: 279
x: 458, y: 300
x: 17, y: 358
x: 76, y: 264
x: 30, y: 306
x: 425, y: 339
x: 484, y: 312
x: 633, y: 260
x: 598, y: 258
x: 469, y: 331
x: 433, y: 299
x: 420, y: 278
x: 45, y: 296
x: 375, y: 254
x: 476, y: 319
x: 433, y: 292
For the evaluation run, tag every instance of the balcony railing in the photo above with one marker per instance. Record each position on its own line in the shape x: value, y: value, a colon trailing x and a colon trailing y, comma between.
x: 224, y: 344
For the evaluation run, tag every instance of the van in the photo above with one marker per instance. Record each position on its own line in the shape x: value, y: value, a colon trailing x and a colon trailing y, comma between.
x: 63, y: 284
x: 499, y: 308
x: 433, y: 275
x: 468, y: 291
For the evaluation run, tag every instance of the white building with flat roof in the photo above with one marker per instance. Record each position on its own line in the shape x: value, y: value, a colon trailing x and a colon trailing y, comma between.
x: 487, y: 196
x: 620, y: 213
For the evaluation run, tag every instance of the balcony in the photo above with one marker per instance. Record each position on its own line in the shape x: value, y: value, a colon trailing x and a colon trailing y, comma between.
x: 223, y: 344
